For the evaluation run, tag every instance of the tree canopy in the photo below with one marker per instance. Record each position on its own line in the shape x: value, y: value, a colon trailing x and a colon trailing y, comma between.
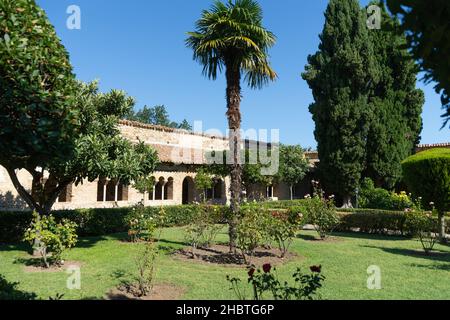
x: 293, y: 166
x: 396, y: 122
x: 427, y: 26
x: 157, y: 115
x: 37, y: 121
x: 340, y: 75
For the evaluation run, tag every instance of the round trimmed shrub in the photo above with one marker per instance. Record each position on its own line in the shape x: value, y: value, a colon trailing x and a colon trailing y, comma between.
x: 427, y: 175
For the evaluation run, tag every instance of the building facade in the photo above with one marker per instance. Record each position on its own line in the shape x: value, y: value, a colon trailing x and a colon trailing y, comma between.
x: 180, y: 153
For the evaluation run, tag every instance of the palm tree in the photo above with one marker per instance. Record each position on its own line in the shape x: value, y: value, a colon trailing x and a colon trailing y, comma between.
x: 230, y: 36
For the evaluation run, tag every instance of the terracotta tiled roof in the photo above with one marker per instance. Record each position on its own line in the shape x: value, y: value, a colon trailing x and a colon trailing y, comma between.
x: 140, y: 125
x: 433, y: 146
x: 177, y: 155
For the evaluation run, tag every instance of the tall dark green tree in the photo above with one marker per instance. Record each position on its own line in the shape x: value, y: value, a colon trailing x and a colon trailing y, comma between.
x: 341, y: 75
x: 396, y: 122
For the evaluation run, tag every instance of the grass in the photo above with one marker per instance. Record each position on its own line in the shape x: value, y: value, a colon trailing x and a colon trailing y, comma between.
x: 106, y: 261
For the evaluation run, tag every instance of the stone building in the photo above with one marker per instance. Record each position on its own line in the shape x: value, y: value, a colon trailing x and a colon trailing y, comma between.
x: 180, y: 153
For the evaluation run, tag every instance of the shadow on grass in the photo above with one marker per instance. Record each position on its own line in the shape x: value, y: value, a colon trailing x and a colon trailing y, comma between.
x: 15, y: 247
x: 9, y: 291
x: 436, y: 255
x: 439, y: 267
x: 89, y: 242
x: 369, y: 236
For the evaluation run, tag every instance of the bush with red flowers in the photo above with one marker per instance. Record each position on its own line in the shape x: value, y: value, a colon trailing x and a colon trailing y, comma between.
x: 266, y: 285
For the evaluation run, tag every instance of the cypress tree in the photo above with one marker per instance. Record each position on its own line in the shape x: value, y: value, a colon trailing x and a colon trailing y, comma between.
x: 341, y: 74
x: 397, y: 105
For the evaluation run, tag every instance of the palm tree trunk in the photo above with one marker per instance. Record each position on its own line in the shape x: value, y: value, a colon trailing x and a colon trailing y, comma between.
x: 233, y: 76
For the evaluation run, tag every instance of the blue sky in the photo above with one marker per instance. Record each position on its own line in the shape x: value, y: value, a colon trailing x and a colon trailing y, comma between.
x: 138, y: 46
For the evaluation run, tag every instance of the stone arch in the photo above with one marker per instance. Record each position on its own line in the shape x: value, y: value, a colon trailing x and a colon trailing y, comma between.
x: 218, y: 189
x: 188, y: 190
x: 159, y: 189
x: 168, y: 189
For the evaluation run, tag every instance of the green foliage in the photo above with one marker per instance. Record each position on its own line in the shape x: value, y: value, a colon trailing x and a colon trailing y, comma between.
x: 146, y: 267
x: 203, y: 181
x: 252, y: 230
x: 50, y: 237
x: 377, y: 198
x: 396, y: 123
x: 266, y: 284
x: 231, y: 35
x: 339, y: 74
x: 282, y: 227
x: 321, y: 212
x: 373, y: 221
x: 100, y: 222
x: 424, y: 226
x: 37, y: 121
x: 140, y: 225
x: 427, y: 174
x: 427, y: 27
x: 293, y: 165
x: 204, y: 228
x: 157, y: 115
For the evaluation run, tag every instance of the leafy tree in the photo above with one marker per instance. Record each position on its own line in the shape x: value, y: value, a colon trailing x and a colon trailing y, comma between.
x: 100, y: 150
x: 340, y: 75
x: 203, y: 182
x: 157, y: 115
x: 231, y: 36
x: 397, y: 105
x: 37, y: 121
x: 427, y: 26
x: 427, y: 174
x: 293, y: 166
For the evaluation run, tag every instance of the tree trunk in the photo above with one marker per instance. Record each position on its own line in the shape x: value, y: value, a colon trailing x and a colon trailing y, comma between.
x: 347, y: 202
x: 291, y: 189
x: 442, y: 233
x: 233, y: 76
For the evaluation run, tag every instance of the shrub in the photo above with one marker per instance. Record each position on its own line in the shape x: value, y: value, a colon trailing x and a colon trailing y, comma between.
x: 321, y: 212
x: 100, y: 222
x: 265, y: 284
x: 139, y: 224
x: 427, y: 174
x: 146, y: 264
x: 372, y: 221
x: 422, y: 225
x: 252, y: 230
x: 282, y: 228
x: 377, y: 198
x: 204, y: 228
x: 50, y: 237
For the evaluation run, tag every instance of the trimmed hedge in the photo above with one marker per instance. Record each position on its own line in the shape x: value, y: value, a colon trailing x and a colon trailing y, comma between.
x: 95, y: 222
x: 285, y: 204
x: 374, y: 221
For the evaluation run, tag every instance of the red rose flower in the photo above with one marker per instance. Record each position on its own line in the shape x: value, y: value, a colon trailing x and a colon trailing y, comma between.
x: 251, y: 272
x: 316, y: 269
x: 267, y: 267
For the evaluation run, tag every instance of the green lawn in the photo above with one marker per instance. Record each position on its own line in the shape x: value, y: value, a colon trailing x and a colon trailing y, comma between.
x: 406, y: 273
